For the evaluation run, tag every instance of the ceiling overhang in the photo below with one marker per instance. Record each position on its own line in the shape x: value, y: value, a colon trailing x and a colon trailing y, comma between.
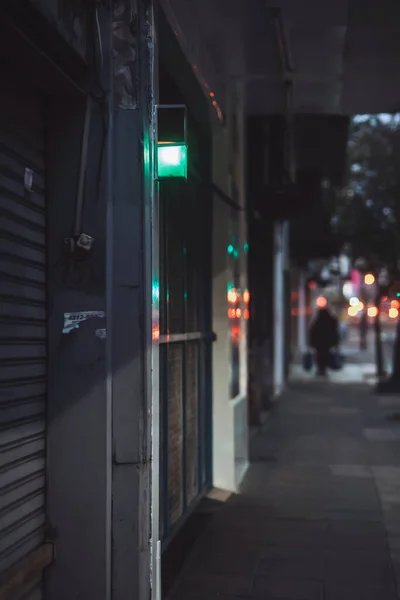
x: 345, y: 52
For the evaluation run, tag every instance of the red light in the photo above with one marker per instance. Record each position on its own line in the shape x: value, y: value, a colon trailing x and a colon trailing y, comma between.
x: 238, y: 313
x: 212, y: 94
x: 235, y: 332
x: 246, y: 314
x: 156, y: 333
x: 321, y: 302
x: 246, y: 297
x: 312, y: 285
x: 231, y: 313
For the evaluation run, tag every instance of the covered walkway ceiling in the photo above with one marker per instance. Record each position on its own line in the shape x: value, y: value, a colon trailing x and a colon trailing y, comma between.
x: 345, y: 53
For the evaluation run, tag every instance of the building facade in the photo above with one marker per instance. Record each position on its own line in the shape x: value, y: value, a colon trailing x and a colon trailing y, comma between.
x: 145, y: 321
x: 125, y: 301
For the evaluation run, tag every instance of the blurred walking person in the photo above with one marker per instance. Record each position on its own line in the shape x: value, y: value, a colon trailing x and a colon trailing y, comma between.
x: 323, y: 336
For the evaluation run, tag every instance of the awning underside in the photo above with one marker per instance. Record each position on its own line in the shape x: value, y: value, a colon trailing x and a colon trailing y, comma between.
x: 345, y: 53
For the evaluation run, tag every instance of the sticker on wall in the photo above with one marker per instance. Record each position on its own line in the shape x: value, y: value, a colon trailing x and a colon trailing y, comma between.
x: 73, y: 320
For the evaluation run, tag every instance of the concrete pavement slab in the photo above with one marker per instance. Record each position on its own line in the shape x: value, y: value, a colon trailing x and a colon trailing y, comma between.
x: 318, y: 516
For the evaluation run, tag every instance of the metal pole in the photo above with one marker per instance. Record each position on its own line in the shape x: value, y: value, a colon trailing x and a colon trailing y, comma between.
x: 302, y: 324
x: 152, y: 301
x: 380, y: 371
x: 82, y: 168
x: 364, y: 319
x: 109, y: 185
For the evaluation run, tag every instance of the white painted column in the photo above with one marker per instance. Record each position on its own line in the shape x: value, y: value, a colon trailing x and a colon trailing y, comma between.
x: 279, y: 309
x: 223, y: 429
x: 302, y: 320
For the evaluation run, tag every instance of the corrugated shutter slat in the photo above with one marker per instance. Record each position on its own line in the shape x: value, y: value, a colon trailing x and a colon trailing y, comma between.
x: 23, y: 331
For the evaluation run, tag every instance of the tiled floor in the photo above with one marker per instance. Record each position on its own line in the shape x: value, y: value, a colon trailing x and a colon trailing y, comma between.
x: 319, y: 513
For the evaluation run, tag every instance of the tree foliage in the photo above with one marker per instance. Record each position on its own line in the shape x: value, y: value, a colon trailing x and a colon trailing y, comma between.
x: 366, y: 212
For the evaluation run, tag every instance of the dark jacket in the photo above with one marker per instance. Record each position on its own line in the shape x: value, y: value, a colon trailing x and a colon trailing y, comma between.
x: 324, y: 332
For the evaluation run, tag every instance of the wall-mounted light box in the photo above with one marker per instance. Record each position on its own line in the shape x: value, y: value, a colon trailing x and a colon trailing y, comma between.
x: 172, y: 148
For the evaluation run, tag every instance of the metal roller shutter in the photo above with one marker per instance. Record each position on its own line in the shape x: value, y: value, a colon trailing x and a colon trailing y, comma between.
x: 23, y: 326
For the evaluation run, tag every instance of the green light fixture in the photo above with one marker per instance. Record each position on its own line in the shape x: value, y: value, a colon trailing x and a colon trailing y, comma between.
x: 172, y: 150
x: 171, y: 161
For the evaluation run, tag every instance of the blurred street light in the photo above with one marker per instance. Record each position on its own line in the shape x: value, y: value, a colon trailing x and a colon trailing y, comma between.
x: 369, y: 279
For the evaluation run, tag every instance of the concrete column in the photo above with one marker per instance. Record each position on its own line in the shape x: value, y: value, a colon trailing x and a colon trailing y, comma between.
x: 279, y: 309
x: 230, y: 415
x: 223, y: 415
x: 241, y: 408
x: 102, y: 491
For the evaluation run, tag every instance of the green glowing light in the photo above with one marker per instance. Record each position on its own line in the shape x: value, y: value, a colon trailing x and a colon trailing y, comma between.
x: 246, y: 247
x: 171, y: 161
x: 231, y: 249
x: 185, y: 296
x: 155, y: 292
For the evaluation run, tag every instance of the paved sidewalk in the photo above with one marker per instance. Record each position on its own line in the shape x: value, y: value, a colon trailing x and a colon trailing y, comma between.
x: 319, y: 514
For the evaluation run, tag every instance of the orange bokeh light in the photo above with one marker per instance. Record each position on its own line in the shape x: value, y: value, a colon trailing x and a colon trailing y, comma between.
x: 246, y: 296
x: 238, y: 313
x: 232, y: 297
x: 246, y: 314
x: 395, y: 304
x: 321, y: 302
x: 369, y: 279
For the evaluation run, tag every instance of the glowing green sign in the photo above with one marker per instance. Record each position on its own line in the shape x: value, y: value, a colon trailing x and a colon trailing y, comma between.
x: 172, y: 161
